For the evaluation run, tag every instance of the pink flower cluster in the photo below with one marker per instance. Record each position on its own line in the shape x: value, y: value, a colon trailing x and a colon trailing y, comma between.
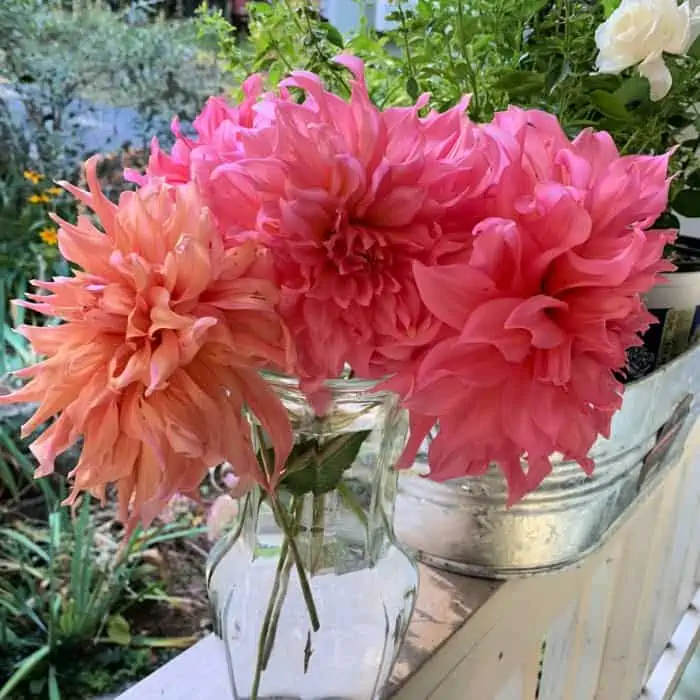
x: 492, y: 273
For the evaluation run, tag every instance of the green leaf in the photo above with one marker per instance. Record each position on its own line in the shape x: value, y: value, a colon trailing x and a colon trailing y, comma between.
x: 687, y: 203
x: 693, y: 180
x: 164, y: 642
x: 601, y: 81
x: 326, y: 466
x: 54, y: 692
x: 298, y: 458
x: 7, y: 478
x: 462, y: 71
x: 118, y: 630
x: 609, y: 6
x: 667, y: 220
x: 334, y: 36
x: 335, y: 457
x: 610, y: 105
x: 302, y: 481
x: 26, y: 668
x: 519, y: 80
x: 634, y: 89
x: 412, y: 88
x: 25, y: 542
x: 694, y: 50
x: 181, y: 534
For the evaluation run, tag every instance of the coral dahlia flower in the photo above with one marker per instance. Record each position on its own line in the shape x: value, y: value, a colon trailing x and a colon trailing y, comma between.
x: 162, y: 336
x: 541, y: 307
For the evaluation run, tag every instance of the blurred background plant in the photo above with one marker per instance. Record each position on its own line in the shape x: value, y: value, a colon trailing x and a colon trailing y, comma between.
x: 293, y: 35
x: 69, y: 72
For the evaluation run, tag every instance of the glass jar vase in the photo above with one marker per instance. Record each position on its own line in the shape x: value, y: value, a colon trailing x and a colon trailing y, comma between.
x: 311, y: 593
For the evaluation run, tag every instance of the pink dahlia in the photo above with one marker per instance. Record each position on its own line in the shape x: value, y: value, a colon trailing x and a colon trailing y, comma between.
x: 220, y: 128
x: 542, y: 307
x: 350, y: 197
x: 162, y: 336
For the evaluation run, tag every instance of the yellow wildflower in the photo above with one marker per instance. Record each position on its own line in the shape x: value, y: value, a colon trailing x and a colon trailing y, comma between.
x: 49, y: 235
x: 53, y: 191
x: 33, y: 176
x: 39, y: 199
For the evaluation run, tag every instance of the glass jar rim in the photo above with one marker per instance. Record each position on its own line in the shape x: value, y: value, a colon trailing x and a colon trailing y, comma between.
x: 337, y: 386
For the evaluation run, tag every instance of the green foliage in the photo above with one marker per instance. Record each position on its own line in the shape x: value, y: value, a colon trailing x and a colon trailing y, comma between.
x: 27, y: 251
x: 451, y: 48
x: 291, y: 35
x: 63, y: 594
x: 318, y: 469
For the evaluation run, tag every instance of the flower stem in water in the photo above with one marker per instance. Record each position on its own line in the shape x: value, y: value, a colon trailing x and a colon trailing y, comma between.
x: 284, y: 523
x: 265, y: 643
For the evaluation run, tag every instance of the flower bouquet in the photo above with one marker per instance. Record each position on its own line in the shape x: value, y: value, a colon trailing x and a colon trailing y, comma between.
x: 282, y: 290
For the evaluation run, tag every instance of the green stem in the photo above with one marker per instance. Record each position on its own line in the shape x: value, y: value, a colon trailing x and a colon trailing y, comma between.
x: 468, y: 60
x: 352, y: 504
x: 404, y: 36
x: 263, y: 641
x: 283, y: 522
x: 283, y: 573
x: 317, y: 527
x: 281, y: 517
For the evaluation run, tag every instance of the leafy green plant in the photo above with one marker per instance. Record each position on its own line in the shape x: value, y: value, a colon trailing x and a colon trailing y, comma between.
x: 27, y: 251
x: 292, y: 35
x: 450, y: 48
x: 63, y: 592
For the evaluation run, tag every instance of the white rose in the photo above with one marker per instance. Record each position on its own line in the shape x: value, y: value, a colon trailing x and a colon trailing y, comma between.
x: 639, y: 32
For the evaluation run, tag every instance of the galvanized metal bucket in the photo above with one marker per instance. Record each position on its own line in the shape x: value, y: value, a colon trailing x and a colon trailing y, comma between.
x: 463, y: 525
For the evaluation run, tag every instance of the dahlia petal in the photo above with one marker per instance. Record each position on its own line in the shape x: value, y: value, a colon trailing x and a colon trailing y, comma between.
x: 487, y: 324
x: 164, y: 360
x: 273, y: 417
x: 420, y: 426
x: 531, y: 316
x: 450, y: 291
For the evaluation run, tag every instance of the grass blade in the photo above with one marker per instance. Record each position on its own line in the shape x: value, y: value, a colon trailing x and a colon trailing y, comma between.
x: 26, y: 466
x: 163, y: 642
x: 7, y: 478
x: 177, y: 535
x: 25, y: 542
x: 25, y: 669
x: 3, y: 350
x: 54, y: 692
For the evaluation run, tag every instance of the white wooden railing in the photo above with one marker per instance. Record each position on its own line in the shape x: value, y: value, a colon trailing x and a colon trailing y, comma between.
x: 620, y: 625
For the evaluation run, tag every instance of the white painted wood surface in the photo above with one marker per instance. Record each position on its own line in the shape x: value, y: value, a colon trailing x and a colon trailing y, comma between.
x: 608, y: 623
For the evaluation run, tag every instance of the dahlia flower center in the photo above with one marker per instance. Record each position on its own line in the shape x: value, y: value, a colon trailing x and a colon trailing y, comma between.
x: 354, y: 249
